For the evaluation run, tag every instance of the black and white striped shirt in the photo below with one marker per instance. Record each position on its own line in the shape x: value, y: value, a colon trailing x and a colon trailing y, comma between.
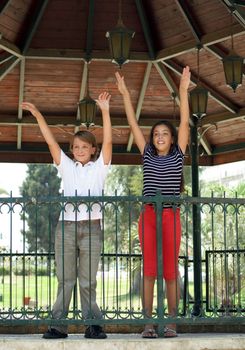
x: 162, y: 172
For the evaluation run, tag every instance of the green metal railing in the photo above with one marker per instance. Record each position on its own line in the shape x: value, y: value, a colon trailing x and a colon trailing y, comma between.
x: 28, y: 282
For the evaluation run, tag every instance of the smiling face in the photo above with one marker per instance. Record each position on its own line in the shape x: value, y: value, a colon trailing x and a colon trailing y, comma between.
x: 82, y: 151
x: 162, y: 139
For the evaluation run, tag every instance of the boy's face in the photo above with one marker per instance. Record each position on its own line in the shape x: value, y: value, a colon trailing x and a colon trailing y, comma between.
x: 82, y: 150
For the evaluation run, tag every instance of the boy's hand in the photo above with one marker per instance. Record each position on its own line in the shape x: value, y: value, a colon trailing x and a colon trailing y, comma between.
x: 103, y: 101
x: 31, y: 108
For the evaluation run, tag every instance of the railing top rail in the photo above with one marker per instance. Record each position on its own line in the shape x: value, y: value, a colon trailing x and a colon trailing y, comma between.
x: 174, y: 200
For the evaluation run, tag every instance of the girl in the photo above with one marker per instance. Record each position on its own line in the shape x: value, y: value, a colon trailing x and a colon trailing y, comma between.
x: 163, y: 160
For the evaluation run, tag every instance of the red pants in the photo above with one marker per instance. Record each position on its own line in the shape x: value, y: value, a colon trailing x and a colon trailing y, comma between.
x: 171, y: 237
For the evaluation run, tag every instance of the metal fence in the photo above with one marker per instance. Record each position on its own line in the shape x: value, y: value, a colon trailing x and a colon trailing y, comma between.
x: 28, y: 283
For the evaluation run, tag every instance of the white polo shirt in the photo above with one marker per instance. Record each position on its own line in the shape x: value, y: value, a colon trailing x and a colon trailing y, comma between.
x: 82, y: 179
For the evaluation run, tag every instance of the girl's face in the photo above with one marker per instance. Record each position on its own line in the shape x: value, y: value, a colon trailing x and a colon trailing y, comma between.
x: 82, y: 150
x: 162, y: 139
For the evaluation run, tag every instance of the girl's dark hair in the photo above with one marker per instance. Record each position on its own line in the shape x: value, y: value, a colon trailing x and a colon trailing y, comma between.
x: 174, y: 135
x: 88, y: 137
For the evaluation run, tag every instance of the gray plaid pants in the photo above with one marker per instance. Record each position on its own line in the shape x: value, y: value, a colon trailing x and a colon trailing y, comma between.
x: 77, y: 255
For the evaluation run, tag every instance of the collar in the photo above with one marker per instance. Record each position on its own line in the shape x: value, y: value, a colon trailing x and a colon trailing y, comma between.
x: 85, y: 165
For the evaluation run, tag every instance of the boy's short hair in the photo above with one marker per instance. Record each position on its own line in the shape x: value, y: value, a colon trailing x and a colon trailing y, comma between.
x: 88, y: 137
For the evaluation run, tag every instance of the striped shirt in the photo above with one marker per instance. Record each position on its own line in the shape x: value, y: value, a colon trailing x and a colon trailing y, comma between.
x: 162, y: 172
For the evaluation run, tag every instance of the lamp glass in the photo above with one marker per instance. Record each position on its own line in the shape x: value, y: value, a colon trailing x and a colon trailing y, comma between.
x: 119, y: 42
x: 199, y: 100
x: 233, y: 68
x: 87, y: 108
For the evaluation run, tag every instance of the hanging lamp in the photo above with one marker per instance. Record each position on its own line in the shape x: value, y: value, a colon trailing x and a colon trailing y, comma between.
x: 233, y: 65
x: 199, y: 95
x: 87, y: 106
x: 120, y: 41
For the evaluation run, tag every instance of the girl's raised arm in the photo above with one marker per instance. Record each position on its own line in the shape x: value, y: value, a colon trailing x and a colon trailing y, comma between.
x: 138, y: 134
x: 183, y: 132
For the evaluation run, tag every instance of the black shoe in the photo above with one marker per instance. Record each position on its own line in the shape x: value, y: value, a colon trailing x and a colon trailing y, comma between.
x: 54, y: 334
x: 95, y: 332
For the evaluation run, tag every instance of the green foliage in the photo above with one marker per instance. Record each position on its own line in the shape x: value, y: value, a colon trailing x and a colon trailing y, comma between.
x: 41, y: 181
x: 124, y: 179
x: 3, y: 191
x: 121, y: 227
x: 223, y: 226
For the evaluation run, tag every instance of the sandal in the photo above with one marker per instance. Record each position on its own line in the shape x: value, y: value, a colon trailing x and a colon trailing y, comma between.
x: 149, y: 333
x: 170, y: 333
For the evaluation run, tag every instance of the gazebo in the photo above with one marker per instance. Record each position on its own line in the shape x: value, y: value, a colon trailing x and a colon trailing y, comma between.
x: 45, y: 45
x: 47, y: 48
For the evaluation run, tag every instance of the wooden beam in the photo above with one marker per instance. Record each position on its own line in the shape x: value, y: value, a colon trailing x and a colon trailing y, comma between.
x: 21, y: 95
x: 140, y: 101
x: 9, y: 47
x: 236, y: 11
x: 82, y: 92
x: 42, y: 155
x: 229, y: 148
x: 117, y: 121
x: 90, y: 30
x: 3, y: 5
x: 146, y: 29
x: 223, y: 117
x: 35, y: 18
x: 206, y: 40
x: 169, y: 82
x: 189, y: 18
x: 78, y: 55
x: 8, y: 66
x: 213, y: 93
x: 230, y: 157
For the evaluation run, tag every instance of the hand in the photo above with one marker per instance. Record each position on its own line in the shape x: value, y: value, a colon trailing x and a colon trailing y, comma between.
x: 121, y: 84
x: 31, y: 108
x: 103, y: 101
x: 185, y: 78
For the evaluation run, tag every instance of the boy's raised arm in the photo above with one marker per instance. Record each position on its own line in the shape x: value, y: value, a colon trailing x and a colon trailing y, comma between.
x: 103, y: 102
x: 45, y: 130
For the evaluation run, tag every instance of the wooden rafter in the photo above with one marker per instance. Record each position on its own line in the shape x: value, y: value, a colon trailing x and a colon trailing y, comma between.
x: 188, y: 16
x: 21, y: 96
x: 36, y: 17
x: 140, y: 101
x: 162, y: 70
x: 8, y: 66
x: 206, y: 40
x: 212, y: 92
x: 146, y: 29
x: 4, y: 4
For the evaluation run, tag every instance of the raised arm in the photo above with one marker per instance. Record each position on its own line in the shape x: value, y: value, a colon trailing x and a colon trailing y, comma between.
x: 183, y: 133
x: 137, y: 133
x: 45, y: 130
x: 103, y: 102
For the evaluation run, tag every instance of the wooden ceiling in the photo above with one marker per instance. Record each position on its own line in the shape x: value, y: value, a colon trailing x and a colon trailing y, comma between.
x: 44, y: 46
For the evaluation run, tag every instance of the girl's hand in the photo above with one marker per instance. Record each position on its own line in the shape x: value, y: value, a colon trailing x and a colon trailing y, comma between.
x: 31, y: 108
x: 121, y: 84
x: 185, y: 78
x: 103, y: 101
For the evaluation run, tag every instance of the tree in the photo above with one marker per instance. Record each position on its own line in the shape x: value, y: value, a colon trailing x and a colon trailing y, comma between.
x: 3, y: 191
x: 41, y: 218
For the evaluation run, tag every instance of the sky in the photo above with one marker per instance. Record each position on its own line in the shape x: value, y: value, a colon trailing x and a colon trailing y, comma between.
x: 12, y: 176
